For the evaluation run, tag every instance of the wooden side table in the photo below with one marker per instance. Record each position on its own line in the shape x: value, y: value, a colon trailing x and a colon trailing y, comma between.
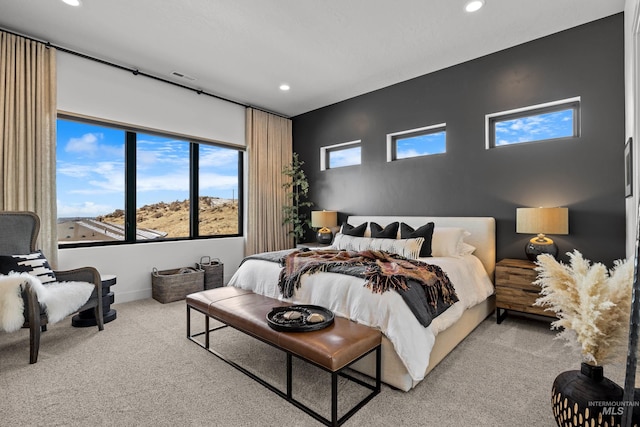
x: 515, y: 290
x: 87, y: 318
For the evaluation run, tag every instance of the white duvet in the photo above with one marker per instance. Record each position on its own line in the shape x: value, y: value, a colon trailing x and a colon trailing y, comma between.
x: 347, y: 296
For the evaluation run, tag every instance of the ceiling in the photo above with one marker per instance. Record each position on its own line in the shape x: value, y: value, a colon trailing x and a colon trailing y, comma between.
x: 327, y: 51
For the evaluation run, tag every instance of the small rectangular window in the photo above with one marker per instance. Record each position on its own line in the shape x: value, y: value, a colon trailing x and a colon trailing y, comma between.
x: 417, y: 142
x: 543, y: 122
x: 340, y: 155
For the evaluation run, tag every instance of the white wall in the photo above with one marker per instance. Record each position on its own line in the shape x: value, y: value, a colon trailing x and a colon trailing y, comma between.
x: 95, y: 90
x: 632, y: 94
x: 133, y: 263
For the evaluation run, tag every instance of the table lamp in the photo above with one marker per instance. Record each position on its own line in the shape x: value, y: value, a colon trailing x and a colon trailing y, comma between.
x: 324, y: 220
x: 542, y: 221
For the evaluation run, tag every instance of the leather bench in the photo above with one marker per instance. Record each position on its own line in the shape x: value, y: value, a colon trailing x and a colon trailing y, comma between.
x: 332, y: 349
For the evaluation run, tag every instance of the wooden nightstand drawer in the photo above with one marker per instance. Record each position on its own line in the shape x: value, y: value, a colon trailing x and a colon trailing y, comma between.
x: 515, y: 289
x: 519, y: 300
x: 519, y: 277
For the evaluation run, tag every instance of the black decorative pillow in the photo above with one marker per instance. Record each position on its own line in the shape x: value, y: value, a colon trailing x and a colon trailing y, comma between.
x: 389, y: 232
x: 350, y: 230
x: 426, y: 231
x: 35, y: 264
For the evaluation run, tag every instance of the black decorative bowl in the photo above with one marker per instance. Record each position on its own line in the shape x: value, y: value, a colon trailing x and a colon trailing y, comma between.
x: 276, y: 320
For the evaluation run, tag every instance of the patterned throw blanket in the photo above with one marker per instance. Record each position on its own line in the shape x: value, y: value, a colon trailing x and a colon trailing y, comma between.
x: 425, y: 288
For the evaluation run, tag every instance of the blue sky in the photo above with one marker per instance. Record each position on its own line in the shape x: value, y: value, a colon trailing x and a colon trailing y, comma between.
x: 91, y: 170
x: 345, y: 157
x: 421, y: 145
x: 558, y: 124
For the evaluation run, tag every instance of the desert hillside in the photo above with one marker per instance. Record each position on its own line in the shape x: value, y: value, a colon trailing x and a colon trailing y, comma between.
x: 217, y: 216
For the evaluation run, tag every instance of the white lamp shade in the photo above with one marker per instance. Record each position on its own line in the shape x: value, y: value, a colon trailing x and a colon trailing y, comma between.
x: 542, y: 220
x: 320, y: 219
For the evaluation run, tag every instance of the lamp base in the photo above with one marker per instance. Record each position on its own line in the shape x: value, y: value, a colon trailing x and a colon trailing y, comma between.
x: 540, y: 245
x: 324, y: 236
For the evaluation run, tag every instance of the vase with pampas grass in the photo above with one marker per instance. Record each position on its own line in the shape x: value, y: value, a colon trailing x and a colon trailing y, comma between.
x: 592, y: 304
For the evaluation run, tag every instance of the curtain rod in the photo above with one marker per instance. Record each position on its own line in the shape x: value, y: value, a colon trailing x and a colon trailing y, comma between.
x: 137, y: 72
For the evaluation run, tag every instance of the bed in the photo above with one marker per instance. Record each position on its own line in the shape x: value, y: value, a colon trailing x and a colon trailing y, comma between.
x: 409, y: 351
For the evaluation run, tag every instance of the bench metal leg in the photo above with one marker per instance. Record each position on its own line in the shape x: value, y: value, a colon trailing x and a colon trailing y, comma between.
x: 188, y: 321
x: 207, y: 329
x: 289, y: 377
x: 288, y: 395
x: 334, y: 398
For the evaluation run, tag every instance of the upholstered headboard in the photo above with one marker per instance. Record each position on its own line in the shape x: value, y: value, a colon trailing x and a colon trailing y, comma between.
x: 482, y: 229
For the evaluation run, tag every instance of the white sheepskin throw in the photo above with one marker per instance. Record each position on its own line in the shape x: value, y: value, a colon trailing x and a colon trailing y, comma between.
x: 59, y: 299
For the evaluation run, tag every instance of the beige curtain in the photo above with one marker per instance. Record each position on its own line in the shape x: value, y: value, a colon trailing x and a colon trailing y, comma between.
x: 269, y: 148
x: 28, y: 134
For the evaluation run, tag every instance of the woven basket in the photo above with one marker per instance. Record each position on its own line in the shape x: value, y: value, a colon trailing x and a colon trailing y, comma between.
x: 213, y: 271
x: 176, y: 284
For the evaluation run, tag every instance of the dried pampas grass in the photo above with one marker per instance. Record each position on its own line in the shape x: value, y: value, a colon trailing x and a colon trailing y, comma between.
x: 592, y: 304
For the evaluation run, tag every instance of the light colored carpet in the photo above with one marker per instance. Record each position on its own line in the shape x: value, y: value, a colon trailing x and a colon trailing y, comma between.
x: 142, y: 371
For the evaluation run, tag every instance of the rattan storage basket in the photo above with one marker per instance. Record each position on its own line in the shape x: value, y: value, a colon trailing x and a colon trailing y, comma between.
x: 213, y: 271
x: 176, y: 284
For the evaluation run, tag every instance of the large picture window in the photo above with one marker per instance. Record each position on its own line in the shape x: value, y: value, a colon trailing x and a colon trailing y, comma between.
x: 543, y: 122
x: 120, y: 185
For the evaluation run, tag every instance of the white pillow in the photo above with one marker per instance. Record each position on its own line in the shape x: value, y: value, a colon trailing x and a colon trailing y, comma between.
x: 408, y: 248
x: 448, y: 241
x: 467, y: 249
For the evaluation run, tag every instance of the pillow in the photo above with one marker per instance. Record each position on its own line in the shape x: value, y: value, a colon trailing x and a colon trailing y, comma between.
x: 35, y: 264
x: 467, y: 249
x: 408, y: 248
x: 426, y: 232
x: 448, y: 241
x: 389, y: 232
x: 350, y: 230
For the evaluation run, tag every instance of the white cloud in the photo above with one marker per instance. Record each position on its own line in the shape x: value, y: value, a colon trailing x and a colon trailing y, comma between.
x: 74, y: 170
x: 212, y: 181
x: 85, y: 209
x: 87, y: 144
x: 410, y: 152
x: 174, y: 153
x: 346, y: 157
x: 144, y: 158
x: 99, y: 178
x: 215, y: 157
x: 175, y: 182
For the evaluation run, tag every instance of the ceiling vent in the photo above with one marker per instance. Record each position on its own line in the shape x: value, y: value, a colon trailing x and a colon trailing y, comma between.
x: 183, y: 76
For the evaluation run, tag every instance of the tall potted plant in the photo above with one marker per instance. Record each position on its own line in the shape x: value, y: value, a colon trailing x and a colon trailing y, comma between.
x: 592, y: 305
x: 297, y: 188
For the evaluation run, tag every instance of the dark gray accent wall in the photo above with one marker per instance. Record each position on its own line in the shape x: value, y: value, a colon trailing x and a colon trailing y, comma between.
x: 583, y: 174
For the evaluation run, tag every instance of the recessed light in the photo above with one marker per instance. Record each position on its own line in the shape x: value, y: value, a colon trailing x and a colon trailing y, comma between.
x: 474, y: 5
x: 72, y: 2
x: 284, y: 87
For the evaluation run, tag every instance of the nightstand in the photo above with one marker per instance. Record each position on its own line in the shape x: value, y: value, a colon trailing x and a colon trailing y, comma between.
x: 312, y: 245
x: 515, y: 289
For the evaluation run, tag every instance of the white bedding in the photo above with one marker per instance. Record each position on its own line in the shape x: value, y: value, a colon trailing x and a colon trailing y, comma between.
x: 347, y: 296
